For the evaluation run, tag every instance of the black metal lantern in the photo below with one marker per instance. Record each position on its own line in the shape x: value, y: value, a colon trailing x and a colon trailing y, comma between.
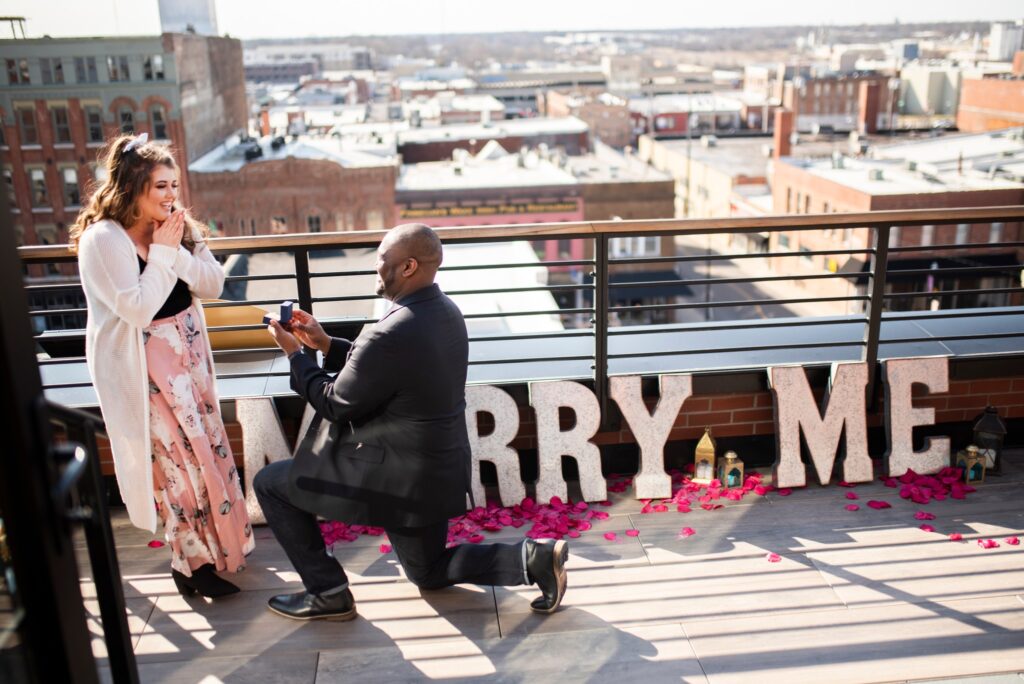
x: 989, y: 433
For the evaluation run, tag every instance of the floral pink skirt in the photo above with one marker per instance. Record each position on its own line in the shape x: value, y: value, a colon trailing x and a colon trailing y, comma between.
x: 195, y: 483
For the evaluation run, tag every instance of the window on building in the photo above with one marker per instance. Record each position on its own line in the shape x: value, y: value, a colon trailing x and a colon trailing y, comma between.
x: 17, y: 72
x: 805, y: 255
x: 664, y: 122
x: 69, y: 184
x: 252, y: 226
x: 995, y: 232
x: 117, y: 68
x: 37, y: 188
x: 375, y: 219
x: 27, y: 126
x: 85, y: 70
x: 158, y: 121
x: 313, y: 224
x: 784, y: 242
x: 12, y: 200
x: 153, y: 68
x: 61, y: 124
x: 789, y: 200
x: 807, y: 204
x: 51, y: 70
x: 927, y: 235
x: 825, y: 207
x: 93, y: 124
x: 963, y: 233
x: 126, y: 118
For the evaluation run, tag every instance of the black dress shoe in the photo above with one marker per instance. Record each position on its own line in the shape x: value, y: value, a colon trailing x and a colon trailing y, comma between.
x: 203, y: 581
x: 545, y: 563
x: 340, y: 606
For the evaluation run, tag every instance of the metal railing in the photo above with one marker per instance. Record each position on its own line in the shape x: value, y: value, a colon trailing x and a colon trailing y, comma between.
x: 591, y: 281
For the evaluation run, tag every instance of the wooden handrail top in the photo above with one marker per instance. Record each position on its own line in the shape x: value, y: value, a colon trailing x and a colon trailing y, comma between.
x: 589, y: 229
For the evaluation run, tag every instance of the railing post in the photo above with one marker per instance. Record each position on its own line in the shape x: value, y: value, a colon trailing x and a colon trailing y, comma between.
x: 600, y: 321
x: 876, y: 302
x: 302, y: 284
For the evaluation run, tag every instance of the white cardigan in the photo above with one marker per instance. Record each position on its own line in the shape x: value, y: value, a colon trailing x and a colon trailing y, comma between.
x: 121, y: 302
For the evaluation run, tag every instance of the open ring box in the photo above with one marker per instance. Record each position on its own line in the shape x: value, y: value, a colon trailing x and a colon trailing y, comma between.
x: 285, y: 316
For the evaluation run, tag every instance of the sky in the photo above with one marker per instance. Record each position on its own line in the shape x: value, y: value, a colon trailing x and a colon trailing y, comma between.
x: 296, y: 18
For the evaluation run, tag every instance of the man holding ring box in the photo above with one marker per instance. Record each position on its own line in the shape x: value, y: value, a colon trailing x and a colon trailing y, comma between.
x: 389, y: 446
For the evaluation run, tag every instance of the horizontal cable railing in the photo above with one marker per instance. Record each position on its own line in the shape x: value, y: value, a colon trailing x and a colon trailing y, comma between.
x: 595, y: 293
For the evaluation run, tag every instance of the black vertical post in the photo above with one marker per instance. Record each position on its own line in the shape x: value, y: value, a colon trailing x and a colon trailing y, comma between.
x: 876, y: 303
x: 53, y: 627
x: 302, y: 282
x: 601, y: 324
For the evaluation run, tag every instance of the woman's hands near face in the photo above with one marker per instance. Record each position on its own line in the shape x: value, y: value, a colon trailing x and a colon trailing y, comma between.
x: 170, y: 231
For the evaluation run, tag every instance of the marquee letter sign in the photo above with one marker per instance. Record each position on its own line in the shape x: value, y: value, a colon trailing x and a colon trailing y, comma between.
x: 901, y: 417
x: 495, y: 446
x: 651, y: 430
x: 796, y: 412
x: 552, y: 443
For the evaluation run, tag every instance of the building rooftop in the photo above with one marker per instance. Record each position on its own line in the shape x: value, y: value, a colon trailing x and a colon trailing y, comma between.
x: 230, y: 155
x: 696, y: 103
x: 980, y: 151
x: 496, y: 129
x: 608, y: 165
x: 492, y: 167
x: 895, y: 177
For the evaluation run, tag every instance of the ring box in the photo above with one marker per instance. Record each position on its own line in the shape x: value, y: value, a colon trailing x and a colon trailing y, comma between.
x: 284, y: 318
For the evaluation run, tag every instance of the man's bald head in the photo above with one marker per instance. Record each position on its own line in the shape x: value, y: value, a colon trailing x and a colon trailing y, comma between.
x: 416, y: 240
x: 407, y: 260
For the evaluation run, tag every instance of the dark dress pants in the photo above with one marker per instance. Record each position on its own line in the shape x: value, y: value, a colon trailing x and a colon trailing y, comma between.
x: 420, y: 550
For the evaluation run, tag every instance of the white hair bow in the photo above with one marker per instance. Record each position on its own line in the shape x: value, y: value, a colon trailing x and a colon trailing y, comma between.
x: 135, y: 142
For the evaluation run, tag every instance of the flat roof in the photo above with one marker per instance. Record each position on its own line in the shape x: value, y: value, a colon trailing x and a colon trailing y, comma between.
x: 495, y: 129
x: 892, y: 177
x: 947, y: 152
x: 472, y: 172
x: 607, y: 165
x: 695, y: 103
x: 230, y: 155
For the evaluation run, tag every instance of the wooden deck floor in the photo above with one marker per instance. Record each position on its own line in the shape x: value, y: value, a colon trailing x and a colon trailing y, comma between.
x: 861, y: 596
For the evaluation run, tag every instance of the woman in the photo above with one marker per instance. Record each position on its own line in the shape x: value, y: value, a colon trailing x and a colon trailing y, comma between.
x: 144, y: 265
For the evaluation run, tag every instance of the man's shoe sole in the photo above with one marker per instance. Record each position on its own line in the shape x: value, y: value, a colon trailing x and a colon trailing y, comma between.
x: 333, y: 617
x: 559, y: 555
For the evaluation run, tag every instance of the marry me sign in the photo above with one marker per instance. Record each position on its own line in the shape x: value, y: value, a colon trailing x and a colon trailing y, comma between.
x: 839, y: 417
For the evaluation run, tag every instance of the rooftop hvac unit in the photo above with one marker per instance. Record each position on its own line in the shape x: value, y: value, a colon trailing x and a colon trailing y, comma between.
x: 708, y: 141
x: 910, y: 165
x: 876, y: 174
x: 253, y: 152
x: 837, y: 160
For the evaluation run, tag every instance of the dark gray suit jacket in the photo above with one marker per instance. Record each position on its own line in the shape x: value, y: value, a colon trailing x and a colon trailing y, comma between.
x: 392, y: 448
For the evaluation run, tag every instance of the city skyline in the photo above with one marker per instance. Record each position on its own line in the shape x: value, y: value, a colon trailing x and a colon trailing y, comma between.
x: 319, y: 18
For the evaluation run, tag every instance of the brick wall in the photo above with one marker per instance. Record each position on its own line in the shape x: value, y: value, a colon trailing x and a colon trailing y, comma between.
x: 988, y: 104
x: 748, y: 414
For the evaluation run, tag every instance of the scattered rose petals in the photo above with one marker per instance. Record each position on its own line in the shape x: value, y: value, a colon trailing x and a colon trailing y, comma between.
x: 687, y: 532
x: 924, y: 515
x: 632, y: 533
x: 878, y: 505
x: 956, y: 536
x: 784, y: 492
x: 927, y: 528
x: 773, y: 557
x: 852, y: 495
x: 988, y: 543
x: 889, y: 481
x: 610, y: 536
x: 844, y: 483
x: 385, y: 548
x: 710, y: 506
x: 1012, y: 541
x: 155, y: 544
x: 852, y: 507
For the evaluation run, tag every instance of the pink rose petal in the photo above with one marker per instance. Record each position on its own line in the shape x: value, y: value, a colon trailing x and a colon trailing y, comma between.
x: 687, y: 532
x: 924, y: 515
x: 632, y: 533
x: 610, y: 536
x: 1012, y: 541
x: 878, y: 505
x: 927, y: 528
x: 852, y: 507
x: 784, y: 492
x: 155, y: 544
x: 988, y: 543
x: 385, y: 548
x: 956, y: 536
x: 852, y: 495
x: 773, y: 557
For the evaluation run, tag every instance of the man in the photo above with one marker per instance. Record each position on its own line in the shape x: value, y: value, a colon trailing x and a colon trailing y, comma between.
x: 392, y: 450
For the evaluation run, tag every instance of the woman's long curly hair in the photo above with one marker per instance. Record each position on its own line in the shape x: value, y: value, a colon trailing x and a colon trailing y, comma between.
x: 127, y: 178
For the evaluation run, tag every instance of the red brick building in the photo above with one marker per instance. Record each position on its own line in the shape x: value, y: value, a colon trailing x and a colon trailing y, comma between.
x: 300, y: 186
x: 993, y: 102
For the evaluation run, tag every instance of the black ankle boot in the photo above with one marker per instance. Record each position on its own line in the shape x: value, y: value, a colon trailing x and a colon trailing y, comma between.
x: 203, y: 581
x: 545, y: 564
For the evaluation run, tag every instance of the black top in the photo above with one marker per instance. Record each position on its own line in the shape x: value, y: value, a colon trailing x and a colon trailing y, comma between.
x: 179, y: 299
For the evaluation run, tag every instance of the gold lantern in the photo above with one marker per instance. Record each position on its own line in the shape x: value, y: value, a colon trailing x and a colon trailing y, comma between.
x: 704, y: 462
x: 730, y: 470
x: 973, y: 463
